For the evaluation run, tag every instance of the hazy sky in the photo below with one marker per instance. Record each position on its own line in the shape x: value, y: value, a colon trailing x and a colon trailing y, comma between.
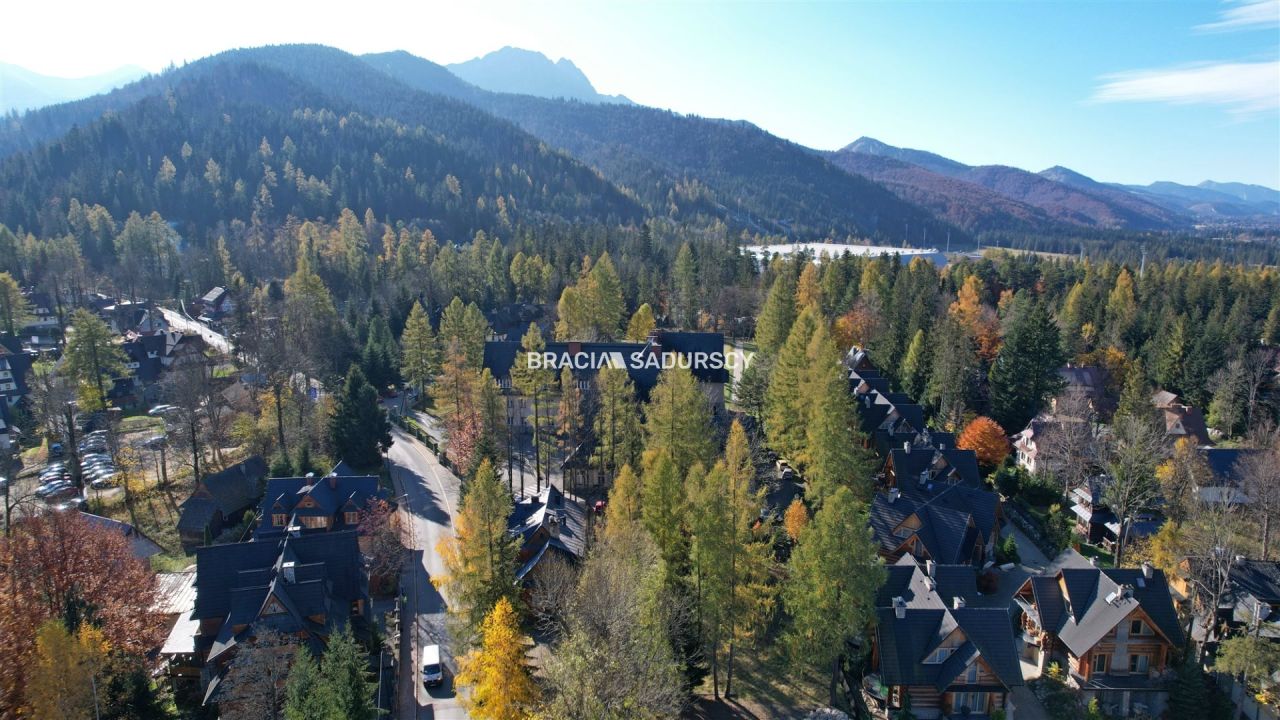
x: 1120, y: 90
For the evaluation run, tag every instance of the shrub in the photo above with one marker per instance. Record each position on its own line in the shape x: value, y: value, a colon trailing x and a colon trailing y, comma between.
x: 1007, y: 550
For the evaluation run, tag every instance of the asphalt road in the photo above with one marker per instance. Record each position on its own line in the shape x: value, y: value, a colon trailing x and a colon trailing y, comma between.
x: 430, y: 498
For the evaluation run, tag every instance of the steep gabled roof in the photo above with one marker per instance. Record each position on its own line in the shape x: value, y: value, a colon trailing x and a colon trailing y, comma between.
x: 903, y: 644
x: 237, y: 487
x: 1081, y: 605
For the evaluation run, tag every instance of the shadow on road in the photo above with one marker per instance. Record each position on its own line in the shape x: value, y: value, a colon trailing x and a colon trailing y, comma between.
x: 431, y: 509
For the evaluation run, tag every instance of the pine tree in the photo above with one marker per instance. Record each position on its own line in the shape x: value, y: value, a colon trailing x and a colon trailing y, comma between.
x: 420, y: 354
x: 1025, y: 372
x: 835, y: 571
x: 480, y: 559
x: 358, y: 429
x: 641, y: 324
x: 834, y: 454
x: 779, y: 312
x: 497, y: 674
x: 785, y: 400
x: 677, y: 419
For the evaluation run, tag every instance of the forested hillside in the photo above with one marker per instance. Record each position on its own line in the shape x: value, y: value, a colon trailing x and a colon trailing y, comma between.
x: 687, y: 167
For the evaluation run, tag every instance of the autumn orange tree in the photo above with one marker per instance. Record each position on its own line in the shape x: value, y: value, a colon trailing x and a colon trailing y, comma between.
x: 796, y: 519
x: 986, y: 439
x: 59, y: 565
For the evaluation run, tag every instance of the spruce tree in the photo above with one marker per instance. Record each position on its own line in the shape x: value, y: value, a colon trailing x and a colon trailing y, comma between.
x: 344, y: 670
x: 358, y: 429
x: 308, y: 696
x: 1025, y: 372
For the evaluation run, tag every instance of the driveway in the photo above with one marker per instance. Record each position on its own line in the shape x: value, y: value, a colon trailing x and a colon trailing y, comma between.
x: 430, y: 498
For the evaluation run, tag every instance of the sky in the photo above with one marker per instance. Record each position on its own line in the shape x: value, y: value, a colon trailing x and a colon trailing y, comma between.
x: 1120, y: 90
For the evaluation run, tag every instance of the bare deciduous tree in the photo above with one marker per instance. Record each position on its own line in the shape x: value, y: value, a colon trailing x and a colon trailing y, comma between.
x: 1065, y: 445
x: 1213, y: 549
x: 1134, y: 447
x: 254, y: 685
x: 1260, y: 481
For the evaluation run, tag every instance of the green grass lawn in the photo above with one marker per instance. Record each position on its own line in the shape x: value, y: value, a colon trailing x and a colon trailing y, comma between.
x: 1105, y: 557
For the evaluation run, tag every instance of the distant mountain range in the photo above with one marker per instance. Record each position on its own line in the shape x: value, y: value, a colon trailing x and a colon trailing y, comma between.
x: 22, y: 89
x: 525, y: 72
x: 991, y: 197
x: 515, y: 126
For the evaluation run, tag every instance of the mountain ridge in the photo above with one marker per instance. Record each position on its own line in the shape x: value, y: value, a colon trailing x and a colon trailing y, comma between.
x: 529, y: 72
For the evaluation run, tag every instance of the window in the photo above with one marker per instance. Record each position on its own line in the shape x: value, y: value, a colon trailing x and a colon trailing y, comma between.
x: 1099, y: 663
x: 314, y: 522
x: 971, y: 674
x: 1137, y: 627
x: 974, y: 702
x: 278, y: 519
x: 1138, y: 663
x: 939, y: 655
x: 351, y: 518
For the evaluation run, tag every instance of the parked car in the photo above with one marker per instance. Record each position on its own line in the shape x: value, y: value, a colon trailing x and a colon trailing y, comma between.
x: 103, y: 482
x: 155, y: 442
x: 101, y: 472
x: 432, y: 670
x: 4, y: 482
x: 75, y: 503
x: 162, y: 409
x: 53, y: 488
x: 63, y: 492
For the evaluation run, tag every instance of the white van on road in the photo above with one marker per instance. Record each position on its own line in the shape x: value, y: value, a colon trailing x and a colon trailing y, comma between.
x: 432, y: 670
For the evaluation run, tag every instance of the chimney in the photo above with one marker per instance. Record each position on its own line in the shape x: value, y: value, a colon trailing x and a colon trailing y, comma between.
x: 929, y: 567
x: 899, y: 608
x: 894, y: 494
x: 1093, y: 561
x: 957, y: 603
x: 575, y: 347
x: 906, y: 447
x: 553, y: 525
x: 294, y: 530
x: 1239, y: 561
x: 333, y: 482
x: 1146, y: 570
x: 287, y: 569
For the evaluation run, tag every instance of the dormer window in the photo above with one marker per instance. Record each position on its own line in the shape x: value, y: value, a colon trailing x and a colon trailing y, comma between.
x: 938, y: 656
x: 351, y: 518
x: 279, y: 519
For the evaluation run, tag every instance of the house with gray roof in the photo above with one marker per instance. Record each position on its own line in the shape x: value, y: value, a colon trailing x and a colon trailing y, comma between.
x: 312, y: 504
x: 220, y: 501
x: 1113, y: 631
x: 945, y: 523
x: 304, y: 586
x: 940, y: 647
x: 547, y: 524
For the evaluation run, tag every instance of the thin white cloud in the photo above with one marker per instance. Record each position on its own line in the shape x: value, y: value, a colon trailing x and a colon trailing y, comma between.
x: 1245, y: 15
x: 1241, y: 87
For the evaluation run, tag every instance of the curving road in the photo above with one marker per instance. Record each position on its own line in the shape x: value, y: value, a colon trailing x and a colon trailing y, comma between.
x: 430, y: 497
